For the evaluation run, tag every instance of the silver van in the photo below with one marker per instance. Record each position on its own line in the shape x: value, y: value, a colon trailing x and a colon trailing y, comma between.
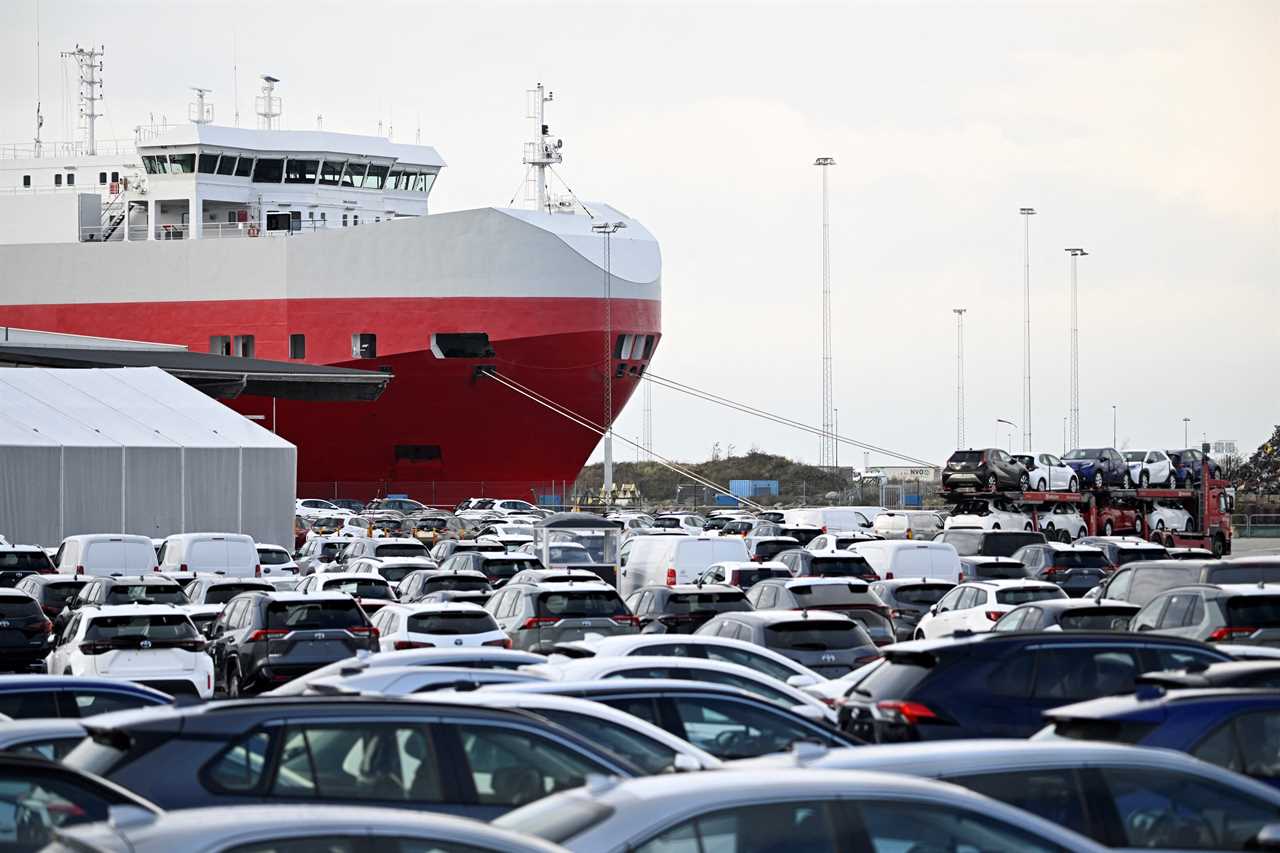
x: 670, y: 560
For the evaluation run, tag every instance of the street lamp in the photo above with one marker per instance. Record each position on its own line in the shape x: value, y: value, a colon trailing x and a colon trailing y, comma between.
x: 1113, y: 426
x: 1010, y: 423
x: 607, y: 230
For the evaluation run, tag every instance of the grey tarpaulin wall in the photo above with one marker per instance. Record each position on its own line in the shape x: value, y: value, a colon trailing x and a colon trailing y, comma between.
x: 134, y: 450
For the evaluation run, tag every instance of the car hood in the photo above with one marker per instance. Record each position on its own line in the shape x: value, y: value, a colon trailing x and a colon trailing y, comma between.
x: 1080, y: 464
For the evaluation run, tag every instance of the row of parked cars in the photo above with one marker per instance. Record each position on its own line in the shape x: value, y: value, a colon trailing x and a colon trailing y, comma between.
x: 1082, y: 468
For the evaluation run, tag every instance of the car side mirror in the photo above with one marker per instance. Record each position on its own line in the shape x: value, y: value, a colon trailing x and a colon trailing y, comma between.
x: 933, y: 610
x: 684, y: 763
x: 1144, y: 627
x: 1268, y: 838
x: 800, y: 680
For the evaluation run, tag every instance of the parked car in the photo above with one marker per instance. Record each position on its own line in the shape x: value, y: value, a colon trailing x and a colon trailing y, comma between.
x: 840, y: 541
x: 788, y: 809
x: 1241, y: 614
x: 909, y: 599
x: 914, y: 559
x: 101, y: 554
x: 385, y: 547
x: 1063, y: 522
x: 466, y: 657
x: 276, y: 560
x: 411, y: 680
x: 1165, y: 516
x: 391, y: 569
x: 991, y: 468
x: 728, y: 722
x: 1048, y: 473
x: 651, y: 560
x: 1142, y: 581
x: 1099, y: 467
x: 318, y: 552
x: 682, y: 609
x: 743, y: 575
x: 423, y: 626
x: 24, y: 632
x: 763, y: 549
x: 419, y: 584
x: 497, y: 567
x: 217, y: 589
x: 1151, y: 466
x: 1190, y: 554
x: 803, y: 563
x: 24, y: 697
x: 999, y: 685
x: 1120, y: 796
x: 1189, y: 464
x: 140, y: 589
x: 830, y: 644
x: 988, y: 513
x: 898, y: 524
x: 991, y: 569
x: 975, y: 606
x: 312, y: 508
x: 263, y: 639
x: 1068, y: 614
x: 27, y: 559
x: 537, y: 616
x: 988, y: 543
x: 231, y: 554
x: 1075, y: 568
x: 403, y: 753
x: 51, y: 592
x: 851, y: 597
x: 1122, y: 550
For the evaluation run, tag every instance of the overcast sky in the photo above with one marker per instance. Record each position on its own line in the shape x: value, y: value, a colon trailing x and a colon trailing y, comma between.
x: 1145, y: 132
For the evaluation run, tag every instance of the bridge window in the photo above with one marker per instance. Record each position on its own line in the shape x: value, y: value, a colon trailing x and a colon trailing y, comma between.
x: 208, y: 164
x: 26, y: 180
x: 102, y: 177
x: 227, y: 165
x: 182, y: 164
x: 268, y: 170
x: 394, y: 180
x: 364, y: 345
x: 353, y: 175
x: 71, y: 179
x: 243, y: 346
x: 57, y: 179
x: 115, y: 177
x: 425, y: 180
x: 220, y: 344
x: 461, y: 345
x: 297, y: 346
x: 301, y: 171
x: 376, y: 178
x: 244, y: 166
x: 331, y: 172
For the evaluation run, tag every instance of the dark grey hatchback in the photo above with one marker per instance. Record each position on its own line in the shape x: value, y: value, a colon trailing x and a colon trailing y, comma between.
x: 830, y: 644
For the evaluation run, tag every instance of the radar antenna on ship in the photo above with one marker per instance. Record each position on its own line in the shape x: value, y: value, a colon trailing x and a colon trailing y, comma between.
x: 268, y: 105
x: 198, y: 111
x: 543, y: 151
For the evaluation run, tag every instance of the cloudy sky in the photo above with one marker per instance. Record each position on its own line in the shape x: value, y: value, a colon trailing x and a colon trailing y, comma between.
x: 1145, y: 132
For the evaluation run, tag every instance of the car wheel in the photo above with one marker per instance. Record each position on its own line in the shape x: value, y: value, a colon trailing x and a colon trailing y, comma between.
x: 1144, y: 479
x: 1073, y: 485
x: 1190, y: 526
x: 1027, y: 528
x: 1064, y: 536
x: 67, y: 671
x: 1041, y: 487
x: 1083, y: 533
x: 1107, y: 528
x: 920, y: 635
x: 234, y: 690
x: 995, y: 527
x: 1160, y: 524
x: 1127, y: 482
x: 1024, y: 483
x: 1097, y: 480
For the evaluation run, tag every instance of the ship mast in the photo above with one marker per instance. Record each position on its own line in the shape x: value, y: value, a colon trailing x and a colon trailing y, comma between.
x: 90, y: 89
x: 543, y: 151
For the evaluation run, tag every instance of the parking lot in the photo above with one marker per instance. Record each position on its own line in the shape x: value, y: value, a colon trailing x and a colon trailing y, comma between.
x: 497, y: 676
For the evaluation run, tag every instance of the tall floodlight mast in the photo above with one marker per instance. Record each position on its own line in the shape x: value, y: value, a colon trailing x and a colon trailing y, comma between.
x: 1026, y: 213
x: 826, y: 441
x: 1073, y: 412
x: 959, y: 312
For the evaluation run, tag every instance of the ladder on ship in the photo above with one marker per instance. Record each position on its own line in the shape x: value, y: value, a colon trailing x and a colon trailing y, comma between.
x: 114, y: 212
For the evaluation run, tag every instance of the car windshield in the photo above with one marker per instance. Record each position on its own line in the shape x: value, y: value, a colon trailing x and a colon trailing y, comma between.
x: 507, y: 568
x: 1080, y: 560
x: 157, y: 626
x: 272, y: 557
x: 306, y: 615
x: 1254, y: 611
x: 738, y: 526
x: 34, y: 561
x: 361, y: 588
x: 463, y: 583
x: 224, y: 592
x: 159, y: 593
x: 577, y: 604
x: 1129, y: 555
x: 1084, y: 453
x: 922, y: 594
x: 997, y: 571
x: 750, y: 577
x: 970, y: 456
x: 402, y: 549
x: 431, y: 523
x: 395, y: 574
x: 666, y: 523
x: 769, y: 550
x: 1026, y: 596
x: 1099, y: 618
x: 566, y: 556
x: 891, y: 522
x: 328, y: 523
x: 826, y: 594
x: 707, y: 602
x: 840, y: 567
x: 62, y: 592
x: 808, y: 635
x: 1003, y: 543
x: 966, y: 543
x: 972, y: 508
x: 1135, y: 455
x: 451, y: 623
x: 895, y: 679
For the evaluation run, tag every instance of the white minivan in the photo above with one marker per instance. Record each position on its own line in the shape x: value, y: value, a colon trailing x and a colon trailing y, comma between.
x: 231, y: 554
x: 911, y: 559
x: 648, y: 560
x: 105, y: 554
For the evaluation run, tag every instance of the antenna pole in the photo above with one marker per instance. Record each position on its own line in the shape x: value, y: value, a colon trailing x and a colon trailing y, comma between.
x: 90, y: 65
x: 542, y: 152
x: 959, y: 312
x: 1026, y: 213
x: 826, y: 441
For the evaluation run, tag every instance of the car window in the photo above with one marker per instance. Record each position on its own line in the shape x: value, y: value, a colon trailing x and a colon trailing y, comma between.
x: 510, y: 767
x: 33, y: 804
x: 747, y: 658
x: 1013, y: 621
x: 29, y: 704
x: 89, y: 703
x: 806, y: 826
x: 1119, y: 586
x: 731, y: 730
x: 1054, y: 795
x: 642, y: 707
x: 907, y: 826
x: 949, y: 600
x: 328, y: 843
x: 389, y: 761
x: 1248, y: 743
x: 644, y: 752
x: 1084, y: 672
x: 1149, y: 616
x: 1178, y: 611
x: 1176, y: 810
x: 240, y: 766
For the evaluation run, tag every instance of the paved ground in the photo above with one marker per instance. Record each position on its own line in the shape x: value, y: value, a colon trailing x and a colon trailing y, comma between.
x: 1241, y: 546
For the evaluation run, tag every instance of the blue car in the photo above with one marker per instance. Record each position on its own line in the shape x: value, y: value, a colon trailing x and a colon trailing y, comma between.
x: 1238, y: 729
x: 25, y: 697
x: 1099, y: 467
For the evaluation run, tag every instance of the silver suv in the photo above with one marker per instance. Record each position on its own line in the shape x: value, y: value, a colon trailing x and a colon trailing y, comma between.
x: 537, y: 616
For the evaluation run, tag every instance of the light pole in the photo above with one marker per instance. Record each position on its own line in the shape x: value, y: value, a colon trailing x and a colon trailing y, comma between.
x: 1010, y: 423
x: 1186, y: 426
x: 607, y: 230
x: 826, y: 441
x: 1026, y: 213
x: 835, y: 441
x: 959, y: 312
x: 1073, y: 345
x: 1113, y: 427
x: 1064, y: 436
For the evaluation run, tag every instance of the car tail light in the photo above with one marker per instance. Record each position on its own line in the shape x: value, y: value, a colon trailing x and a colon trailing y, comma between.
x: 539, y: 621
x: 910, y: 713
x: 266, y: 634
x: 888, y: 576
x: 671, y: 576
x: 79, y: 570
x: 994, y: 615
x: 257, y: 571
x: 1229, y: 632
x: 627, y: 619
x: 402, y: 645
x: 95, y: 648
x: 155, y: 568
x: 960, y: 578
x: 1050, y: 571
x: 182, y: 568
x: 502, y: 644
x: 861, y: 659
x: 192, y: 645
x: 363, y: 631
x: 43, y: 627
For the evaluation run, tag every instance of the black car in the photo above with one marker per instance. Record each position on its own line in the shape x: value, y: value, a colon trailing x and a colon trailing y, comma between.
x: 1099, y: 467
x: 1188, y: 467
x: 995, y: 685
x: 1075, y: 568
x: 24, y: 632
x: 52, y: 592
x: 263, y: 639
x: 497, y: 567
x: 377, y: 751
x: 762, y: 548
x: 684, y: 608
x: 987, y: 469
x: 122, y: 589
x: 989, y: 543
x: 1068, y: 614
x: 416, y: 586
x: 851, y: 597
x: 908, y: 599
x: 803, y: 563
x: 992, y: 568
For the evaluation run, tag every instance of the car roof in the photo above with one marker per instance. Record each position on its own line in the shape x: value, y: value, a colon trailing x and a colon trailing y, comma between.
x: 26, y: 549
x: 815, y: 581
x: 326, y: 577
x: 1248, y: 589
x: 894, y: 583
x: 1068, y: 546
x: 963, y: 643
x: 1007, y: 583
x: 770, y: 617
x: 289, y: 596
x: 1079, y: 604
x: 132, y: 609
x: 1155, y: 698
x: 603, y: 686
x: 10, y: 592
x: 692, y: 588
x: 74, y: 682
x: 568, y: 586
x: 490, y: 556
x: 153, y: 578
x: 436, y: 607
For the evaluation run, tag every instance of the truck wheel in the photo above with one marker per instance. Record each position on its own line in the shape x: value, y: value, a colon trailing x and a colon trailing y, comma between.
x: 1145, y: 479
x: 1219, y: 546
x: 1107, y: 528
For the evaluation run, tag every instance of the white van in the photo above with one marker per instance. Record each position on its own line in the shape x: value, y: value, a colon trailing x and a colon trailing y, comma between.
x: 231, y: 554
x: 911, y: 559
x: 648, y: 560
x: 105, y: 554
x: 833, y: 518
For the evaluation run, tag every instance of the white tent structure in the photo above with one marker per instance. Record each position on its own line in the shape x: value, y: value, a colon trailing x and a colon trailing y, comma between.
x: 134, y: 450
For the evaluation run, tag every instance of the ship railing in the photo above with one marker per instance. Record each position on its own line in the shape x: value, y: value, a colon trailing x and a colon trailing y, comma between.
x: 104, y: 233
x: 55, y: 150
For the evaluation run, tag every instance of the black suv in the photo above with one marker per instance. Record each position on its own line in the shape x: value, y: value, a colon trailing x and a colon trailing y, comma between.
x: 908, y: 599
x: 376, y: 751
x: 498, y: 568
x: 52, y: 592
x: 991, y: 468
x: 1140, y: 581
x: 24, y: 632
x: 989, y: 543
x: 417, y: 585
x: 999, y: 685
x: 131, y: 589
x: 263, y: 639
x: 684, y: 608
x: 803, y: 563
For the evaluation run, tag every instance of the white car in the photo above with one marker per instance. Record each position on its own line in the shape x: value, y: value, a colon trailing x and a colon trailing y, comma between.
x: 359, y: 527
x: 686, y: 521
x: 1063, y: 517
x: 994, y: 513
x: 370, y: 591
x: 276, y: 560
x: 839, y: 541
x: 310, y: 508
x: 1169, y: 517
x: 429, y: 626
x: 219, y: 589
x: 407, y: 680
x: 150, y: 644
x: 394, y: 569
x: 1151, y: 467
x: 1048, y: 473
x: 977, y: 605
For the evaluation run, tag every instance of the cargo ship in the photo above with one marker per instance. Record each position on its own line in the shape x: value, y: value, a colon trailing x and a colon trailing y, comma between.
x: 319, y: 247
